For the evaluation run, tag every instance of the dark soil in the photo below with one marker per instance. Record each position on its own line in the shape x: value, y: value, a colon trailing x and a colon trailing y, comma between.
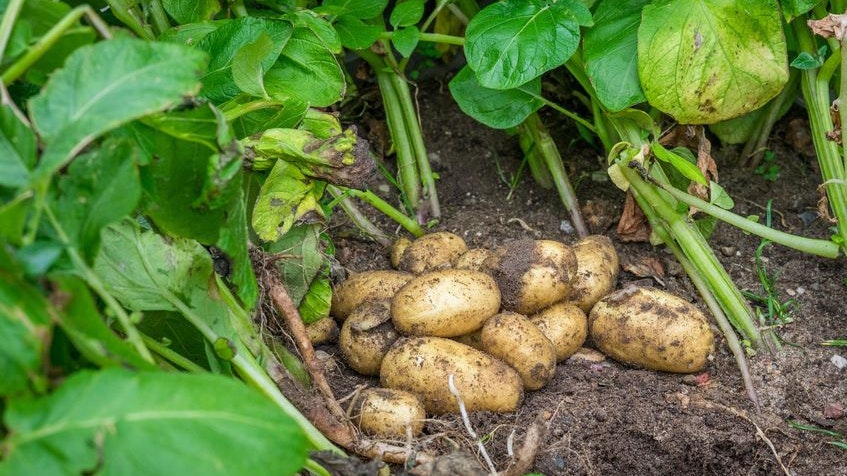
x: 608, y: 418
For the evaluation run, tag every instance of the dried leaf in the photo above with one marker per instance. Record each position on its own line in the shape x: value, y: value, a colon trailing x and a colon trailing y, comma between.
x: 646, y: 267
x: 705, y: 163
x: 633, y: 225
x: 829, y: 26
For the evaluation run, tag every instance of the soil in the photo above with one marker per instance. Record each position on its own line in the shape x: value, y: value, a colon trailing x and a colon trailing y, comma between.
x: 605, y: 417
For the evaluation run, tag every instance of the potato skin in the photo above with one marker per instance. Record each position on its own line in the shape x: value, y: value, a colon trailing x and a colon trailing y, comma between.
x: 650, y: 328
x: 431, y: 252
x: 597, y: 270
x: 387, y: 413
x: 366, y: 336
x: 322, y: 331
x: 473, y: 259
x: 366, y: 286
x: 512, y: 338
x: 565, y: 325
x: 445, y: 303
x: 422, y: 365
x: 532, y: 274
x: 397, y: 250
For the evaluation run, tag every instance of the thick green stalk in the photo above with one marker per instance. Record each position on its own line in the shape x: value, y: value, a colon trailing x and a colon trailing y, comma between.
x: 359, y: 219
x: 173, y: 357
x: 431, y: 38
x: 373, y: 200
x: 13, y: 8
x: 753, y: 151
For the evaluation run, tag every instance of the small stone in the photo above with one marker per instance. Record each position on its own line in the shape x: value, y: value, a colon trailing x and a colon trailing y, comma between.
x: 833, y: 411
x: 566, y: 227
x: 791, y: 292
x: 383, y: 188
x: 728, y: 251
x: 591, y: 355
x: 801, y: 291
x: 839, y: 361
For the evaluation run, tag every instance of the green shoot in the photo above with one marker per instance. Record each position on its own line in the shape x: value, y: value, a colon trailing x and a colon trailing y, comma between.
x: 835, y: 343
x: 768, y: 169
x: 839, y: 442
x: 511, y: 181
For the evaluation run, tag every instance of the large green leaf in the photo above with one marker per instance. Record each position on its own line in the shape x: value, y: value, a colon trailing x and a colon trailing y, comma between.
x: 711, y: 60
x: 248, y: 72
x: 105, y: 85
x: 794, y: 8
x: 284, y: 114
x: 305, y: 273
x: 307, y: 70
x: 356, y: 34
x: 115, y: 422
x: 361, y: 9
x: 406, y: 13
x: 495, y: 108
x: 514, y: 41
x: 286, y: 197
x: 17, y: 149
x: 610, y: 48
x: 190, y: 11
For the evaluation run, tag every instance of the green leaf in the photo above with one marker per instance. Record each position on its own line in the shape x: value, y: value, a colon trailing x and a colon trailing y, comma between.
x: 13, y: 216
x: 514, y: 41
x: 285, y: 114
x: 306, y: 71
x: 115, y: 422
x: 406, y: 13
x: 224, y: 44
x: 17, y: 149
x: 100, y: 188
x: 806, y: 60
x: 356, y: 34
x: 105, y: 85
x: 610, y: 48
x: 719, y: 197
x: 190, y: 34
x: 708, y: 61
x: 247, y: 70
x: 190, y: 11
x: 500, y: 109
x: 305, y: 274
x: 405, y: 40
x: 361, y: 9
x: 678, y: 162
x: 791, y: 9
x: 286, y: 197
x: 322, y: 29
x: 233, y: 242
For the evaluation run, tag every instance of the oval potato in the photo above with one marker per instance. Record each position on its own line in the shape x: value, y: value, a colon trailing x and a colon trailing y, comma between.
x: 565, y: 325
x: 512, y: 338
x: 473, y: 259
x: 366, y: 336
x: 423, y: 365
x: 597, y: 270
x: 650, y: 328
x: 388, y: 413
x: 430, y: 252
x: 445, y: 303
x: 397, y: 250
x: 366, y: 286
x: 322, y: 331
x: 532, y: 274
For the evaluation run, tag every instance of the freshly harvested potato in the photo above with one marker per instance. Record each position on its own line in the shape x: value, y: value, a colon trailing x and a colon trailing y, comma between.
x: 322, y: 331
x: 473, y: 259
x: 445, y: 303
x: 532, y: 274
x: 366, y: 336
x: 649, y: 328
x: 423, y: 365
x: 512, y: 338
x: 388, y: 413
x: 597, y: 270
x: 431, y: 252
x: 397, y: 250
x: 473, y: 339
x: 565, y: 325
x: 366, y: 286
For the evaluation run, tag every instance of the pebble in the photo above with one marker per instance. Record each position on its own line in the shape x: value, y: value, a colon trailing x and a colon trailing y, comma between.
x: 566, y: 227
x: 839, y: 361
x: 728, y: 251
x: 833, y: 411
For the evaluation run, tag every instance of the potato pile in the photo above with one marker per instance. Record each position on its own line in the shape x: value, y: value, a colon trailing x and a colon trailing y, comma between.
x: 498, y: 321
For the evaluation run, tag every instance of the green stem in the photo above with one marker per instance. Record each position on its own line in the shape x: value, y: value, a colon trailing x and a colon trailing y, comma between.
x: 430, y: 37
x: 359, y: 219
x: 13, y: 9
x: 128, y: 13
x: 753, y: 150
x: 571, y: 115
x: 173, y: 357
x: 160, y: 18
x: 372, y: 199
x: 234, y: 112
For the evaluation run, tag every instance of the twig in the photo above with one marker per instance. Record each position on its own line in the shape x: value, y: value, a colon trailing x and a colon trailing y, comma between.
x: 535, y: 435
x: 461, y: 403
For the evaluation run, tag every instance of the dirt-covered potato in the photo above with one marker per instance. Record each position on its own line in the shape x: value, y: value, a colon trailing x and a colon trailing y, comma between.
x: 445, y: 303
x: 322, y: 331
x: 473, y: 259
x: 565, y: 325
x: 597, y: 270
x: 366, y: 286
x: 422, y: 365
x: 649, y: 328
x: 532, y: 274
x: 431, y: 252
x: 472, y: 339
x: 366, y: 336
x: 388, y: 413
x: 397, y: 250
x: 512, y: 338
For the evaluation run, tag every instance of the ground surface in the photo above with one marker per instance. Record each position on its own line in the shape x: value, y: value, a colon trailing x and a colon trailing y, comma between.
x: 611, y: 419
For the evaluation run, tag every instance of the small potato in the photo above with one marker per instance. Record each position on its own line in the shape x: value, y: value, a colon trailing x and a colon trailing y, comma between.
x: 431, y: 252
x: 397, y: 250
x: 473, y: 259
x: 366, y: 286
x: 445, y: 303
x: 565, y: 325
x: 597, y: 270
x: 388, y: 413
x: 423, y: 365
x: 649, y: 328
x: 366, y: 336
x: 515, y: 340
x: 322, y: 331
x: 532, y: 274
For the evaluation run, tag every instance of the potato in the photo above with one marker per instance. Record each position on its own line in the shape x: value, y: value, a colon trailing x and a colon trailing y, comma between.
x: 445, y: 303
x: 565, y: 325
x: 532, y: 274
x: 422, y: 365
x: 473, y: 259
x: 597, y: 271
x: 649, y: 328
x: 397, y: 250
x: 515, y: 340
x: 388, y: 413
x: 322, y: 331
x: 366, y: 336
x: 473, y: 339
x: 366, y: 286
x: 431, y: 252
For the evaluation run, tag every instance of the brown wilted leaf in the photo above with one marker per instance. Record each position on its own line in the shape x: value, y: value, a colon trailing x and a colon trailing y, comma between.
x: 646, y: 267
x: 829, y: 26
x: 705, y: 163
x: 633, y: 225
